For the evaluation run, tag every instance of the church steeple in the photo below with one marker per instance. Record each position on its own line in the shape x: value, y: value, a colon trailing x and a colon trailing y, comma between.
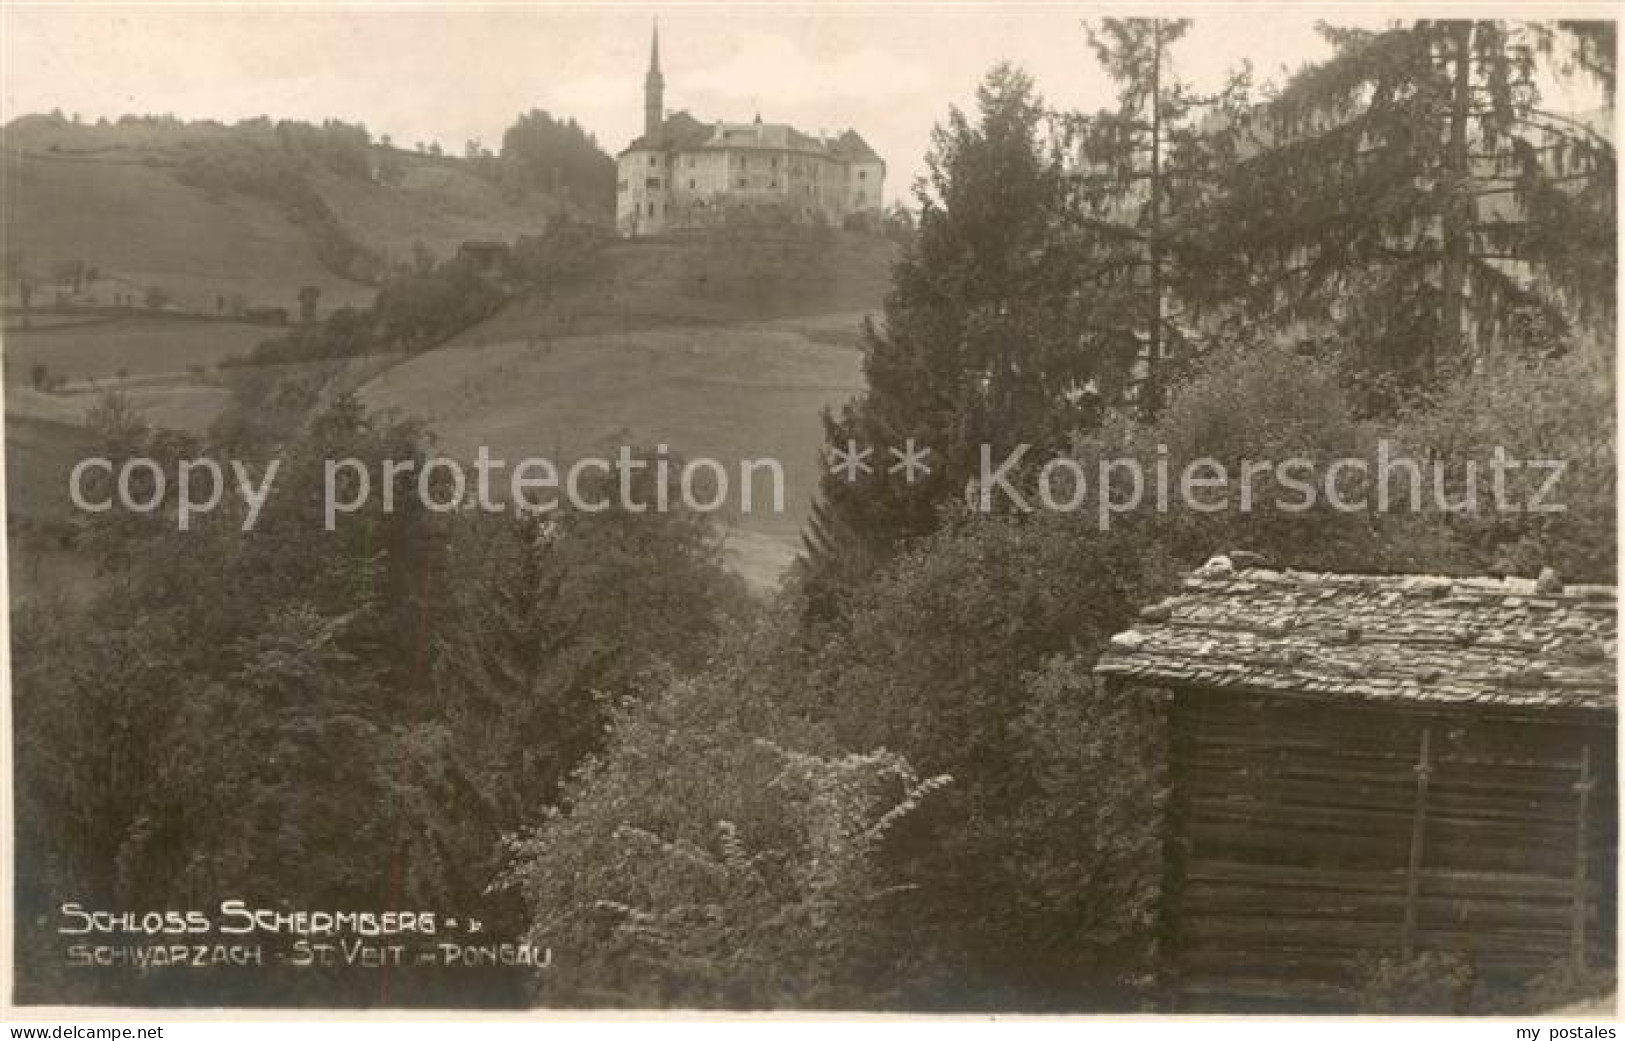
x: 654, y: 89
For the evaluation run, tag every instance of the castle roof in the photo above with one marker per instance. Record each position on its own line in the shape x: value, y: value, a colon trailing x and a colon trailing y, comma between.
x: 854, y: 149
x: 1406, y: 639
x: 681, y: 132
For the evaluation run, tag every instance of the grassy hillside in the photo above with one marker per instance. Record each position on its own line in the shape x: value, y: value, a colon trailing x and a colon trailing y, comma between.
x: 711, y: 278
x: 141, y: 227
x: 40, y: 452
x: 730, y: 392
x: 110, y: 196
x: 721, y: 346
x: 133, y: 345
x: 726, y: 344
x: 438, y: 204
x: 159, y: 362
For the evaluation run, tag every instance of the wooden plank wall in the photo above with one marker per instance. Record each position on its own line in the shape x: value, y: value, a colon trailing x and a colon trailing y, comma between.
x: 1305, y: 840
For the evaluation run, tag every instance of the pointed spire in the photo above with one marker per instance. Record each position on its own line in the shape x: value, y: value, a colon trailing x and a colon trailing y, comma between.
x: 654, y: 53
x: 654, y: 89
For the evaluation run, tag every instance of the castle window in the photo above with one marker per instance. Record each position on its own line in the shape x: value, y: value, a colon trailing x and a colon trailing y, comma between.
x: 741, y: 184
x: 691, y: 184
x: 863, y: 175
x: 654, y: 160
x: 653, y: 182
x: 651, y: 209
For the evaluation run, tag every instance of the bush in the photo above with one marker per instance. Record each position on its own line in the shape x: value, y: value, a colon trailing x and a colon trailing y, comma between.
x: 1434, y: 983
x: 1445, y: 983
x: 1561, y: 985
x: 282, y: 176
x: 971, y: 657
x: 1266, y: 404
x: 422, y: 308
x: 562, y: 255
x: 542, y: 153
x: 1549, y: 409
x: 706, y: 861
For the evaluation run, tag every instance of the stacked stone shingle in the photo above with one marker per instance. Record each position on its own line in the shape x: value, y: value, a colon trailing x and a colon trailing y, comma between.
x: 1419, y: 638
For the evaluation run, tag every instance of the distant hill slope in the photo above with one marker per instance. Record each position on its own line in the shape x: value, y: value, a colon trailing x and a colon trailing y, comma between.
x: 438, y: 203
x: 140, y: 228
x: 110, y: 196
x: 722, y: 345
x: 725, y: 343
x: 713, y: 277
x: 728, y: 393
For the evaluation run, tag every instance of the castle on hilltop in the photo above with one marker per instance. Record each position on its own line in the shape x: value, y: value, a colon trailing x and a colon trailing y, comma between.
x: 683, y: 173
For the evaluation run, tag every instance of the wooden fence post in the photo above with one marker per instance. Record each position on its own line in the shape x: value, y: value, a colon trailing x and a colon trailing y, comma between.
x: 1176, y: 844
x: 1577, y: 930
x: 1413, y: 875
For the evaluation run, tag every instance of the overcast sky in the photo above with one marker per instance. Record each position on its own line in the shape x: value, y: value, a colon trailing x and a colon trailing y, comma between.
x: 450, y: 74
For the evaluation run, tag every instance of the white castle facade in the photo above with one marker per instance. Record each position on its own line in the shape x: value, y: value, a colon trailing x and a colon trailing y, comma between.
x: 685, y: 173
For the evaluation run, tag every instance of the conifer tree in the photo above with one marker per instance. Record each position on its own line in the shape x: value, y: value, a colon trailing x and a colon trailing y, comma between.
x: 1413, y: 193
x: 1142, y: 169
x: 980, y: 340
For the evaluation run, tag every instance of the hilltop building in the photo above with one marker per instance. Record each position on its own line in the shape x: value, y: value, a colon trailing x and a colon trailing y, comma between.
x: 684, y: 173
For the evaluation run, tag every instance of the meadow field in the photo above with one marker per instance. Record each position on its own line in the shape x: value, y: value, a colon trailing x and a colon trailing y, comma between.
x: 727, y: 344
x: 725, y: 392
x: 141, y: 228
x: 124, y: 347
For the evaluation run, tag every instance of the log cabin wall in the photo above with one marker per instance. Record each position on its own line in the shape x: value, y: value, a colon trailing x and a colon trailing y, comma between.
x: 1313, y: 839
x: 1371, y: 767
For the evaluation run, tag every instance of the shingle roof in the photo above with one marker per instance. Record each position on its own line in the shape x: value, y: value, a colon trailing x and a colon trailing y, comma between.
x: 1422, y: 639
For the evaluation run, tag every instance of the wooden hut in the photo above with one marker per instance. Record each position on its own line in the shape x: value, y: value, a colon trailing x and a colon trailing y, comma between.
x: 1375, y: 767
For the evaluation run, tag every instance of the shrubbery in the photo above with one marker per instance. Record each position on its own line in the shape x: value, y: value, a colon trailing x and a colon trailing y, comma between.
x: 896, y: 785
x: 703, y: 863
x: 282, y: 177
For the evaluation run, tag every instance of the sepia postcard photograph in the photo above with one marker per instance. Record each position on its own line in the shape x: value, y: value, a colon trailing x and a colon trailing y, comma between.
x: 969, y: 510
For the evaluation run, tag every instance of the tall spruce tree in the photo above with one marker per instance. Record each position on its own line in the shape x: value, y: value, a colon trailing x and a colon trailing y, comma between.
x: 1143, y: 167
x: 981, y: 338
x: 1413, y: 195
